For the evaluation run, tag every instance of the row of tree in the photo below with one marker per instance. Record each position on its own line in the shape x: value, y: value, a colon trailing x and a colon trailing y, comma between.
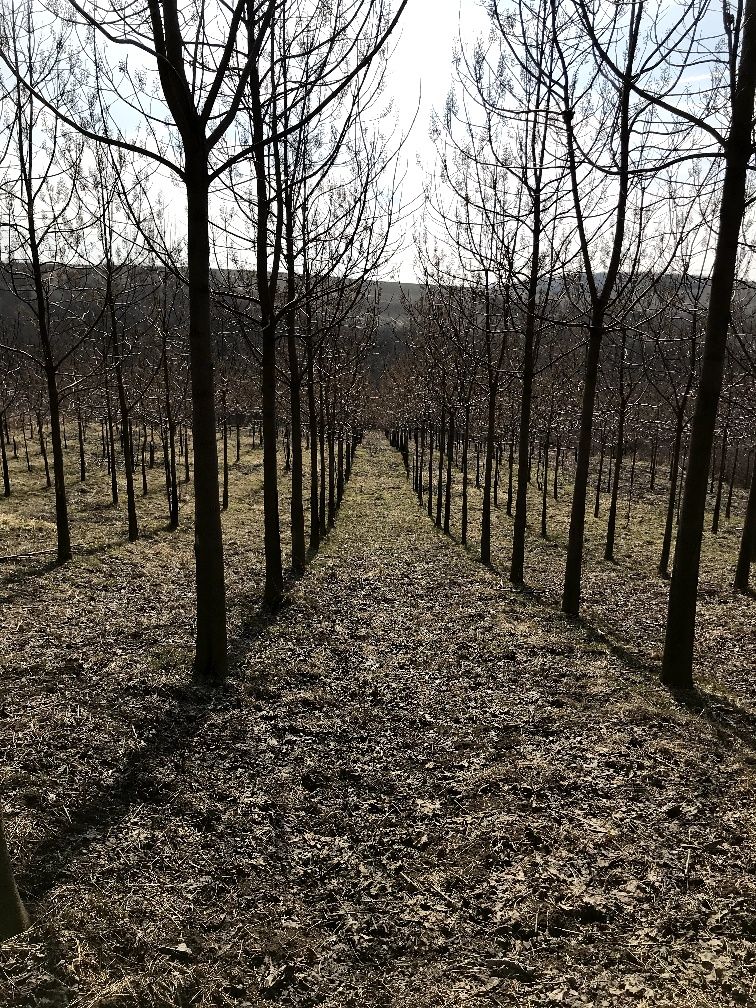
x: 587, y: 251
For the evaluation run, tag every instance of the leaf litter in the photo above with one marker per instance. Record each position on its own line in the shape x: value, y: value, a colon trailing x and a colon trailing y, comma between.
x: 419, y: 787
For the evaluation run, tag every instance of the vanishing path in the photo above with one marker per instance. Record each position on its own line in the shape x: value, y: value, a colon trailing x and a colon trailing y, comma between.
x: 421, y: 789
x: 470, y: 798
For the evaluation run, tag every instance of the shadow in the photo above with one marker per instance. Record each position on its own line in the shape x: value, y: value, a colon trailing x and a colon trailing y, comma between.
x: 30, y: 567
x: 170, y: 732
x: 731, y: 723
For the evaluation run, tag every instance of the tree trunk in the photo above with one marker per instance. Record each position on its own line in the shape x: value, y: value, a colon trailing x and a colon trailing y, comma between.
x: 485, y: 518
x: 449, y: 459
x: 13, y: 916
x: 611, y: 526
x: 517, y: 565
x: 82, y: 456
x: 224, y: 504
x: 210, y: 657
x: 747, y: 551
x: 440, y: 475
x: 672, y: 498
x: 574, y: 566
x: 6, y: 473
x: 677, y: 667
x: 465, y: 450
x: 43, y: 448
x: 313, y: 424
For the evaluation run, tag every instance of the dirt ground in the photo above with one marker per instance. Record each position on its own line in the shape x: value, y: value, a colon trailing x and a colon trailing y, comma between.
x: 420, y: 786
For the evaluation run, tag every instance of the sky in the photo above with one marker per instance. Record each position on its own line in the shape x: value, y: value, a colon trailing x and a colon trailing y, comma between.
x: 420, y: 70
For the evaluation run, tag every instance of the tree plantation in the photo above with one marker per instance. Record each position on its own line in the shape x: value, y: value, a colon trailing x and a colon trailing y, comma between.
x: 377, y: 521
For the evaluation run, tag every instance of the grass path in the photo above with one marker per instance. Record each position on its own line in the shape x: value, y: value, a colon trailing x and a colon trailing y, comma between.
x: 420, y: 788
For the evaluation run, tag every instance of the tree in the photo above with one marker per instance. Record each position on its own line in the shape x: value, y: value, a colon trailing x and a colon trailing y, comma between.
x: 13, y: 915
x: 677, y: 663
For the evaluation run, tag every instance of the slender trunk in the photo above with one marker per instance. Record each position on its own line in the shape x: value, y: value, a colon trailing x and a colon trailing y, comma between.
x: 313, y: 425
x: 224, y: 504
x: 720, y: 481
x: 6, y: 473
x: 449, y: 459
x: 421, y: 467
x: 128, y: 453
x: 331, y: 468
x: 510, y: 473
x: 322, y: 450
x: 440, y: 475
x: 340, y: 469
x: 82, y: 456
x: 210, y: 657
x: 109, y: 431
x: 672, y: 498
x: 600, y: 476
x: 611, y: 526
x: 747, y: 551
x: 43, y: 447
x: 556, y: 470
x: 545, y: 496
x: 430, y: 471
x: 574, y: 566
x: 517, y: 565
x: 677, y: 668
x: 733, y: 474
x: 169, y: 450
x: 296, y: 511
x: 13, y: 916
x: 465, y: 447
x: 485, y: 518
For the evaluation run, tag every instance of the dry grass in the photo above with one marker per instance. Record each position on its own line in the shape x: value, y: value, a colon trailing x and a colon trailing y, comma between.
x: 419, y: 788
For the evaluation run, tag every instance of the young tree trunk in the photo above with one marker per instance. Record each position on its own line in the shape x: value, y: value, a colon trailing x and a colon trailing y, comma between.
x: 485, y: 519
x: 600, y: 476
x: 169, y: 451
x: 731, y: 488
x: 574, y: 566
x: 296, y: 510
x: 556, y: 469
x: 747, y: 551
x: 43, y: 447
x: 430, y: 471
x: 82, y: 455
x: 210, y: 655
x: 13, y: 916
x: 6, y: 473
x: 677, y: 665
x: 313, y: 425
x: 340, y: 469
x: 110, y: 435
x: 331, y: 468
x: 322, y: 449
x: 517, y: 565
x: 465, y: 449
x: 720, y: 482
x: 611, y: 526
x: 224, y: 504
x: 545, y: 497
x: 449, y: 459
x: 440, y: 475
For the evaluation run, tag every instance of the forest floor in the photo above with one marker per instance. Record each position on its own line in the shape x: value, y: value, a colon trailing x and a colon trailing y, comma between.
x: 420, y: 786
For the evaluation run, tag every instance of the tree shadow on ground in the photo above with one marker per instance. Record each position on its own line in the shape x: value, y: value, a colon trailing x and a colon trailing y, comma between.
x: 171, y: 732
x: 732, y: 724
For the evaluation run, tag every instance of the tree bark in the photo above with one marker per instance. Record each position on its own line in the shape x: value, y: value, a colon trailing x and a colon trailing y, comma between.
x: 13, y: 916
x: 210, y: 656
x: 677, y: 665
